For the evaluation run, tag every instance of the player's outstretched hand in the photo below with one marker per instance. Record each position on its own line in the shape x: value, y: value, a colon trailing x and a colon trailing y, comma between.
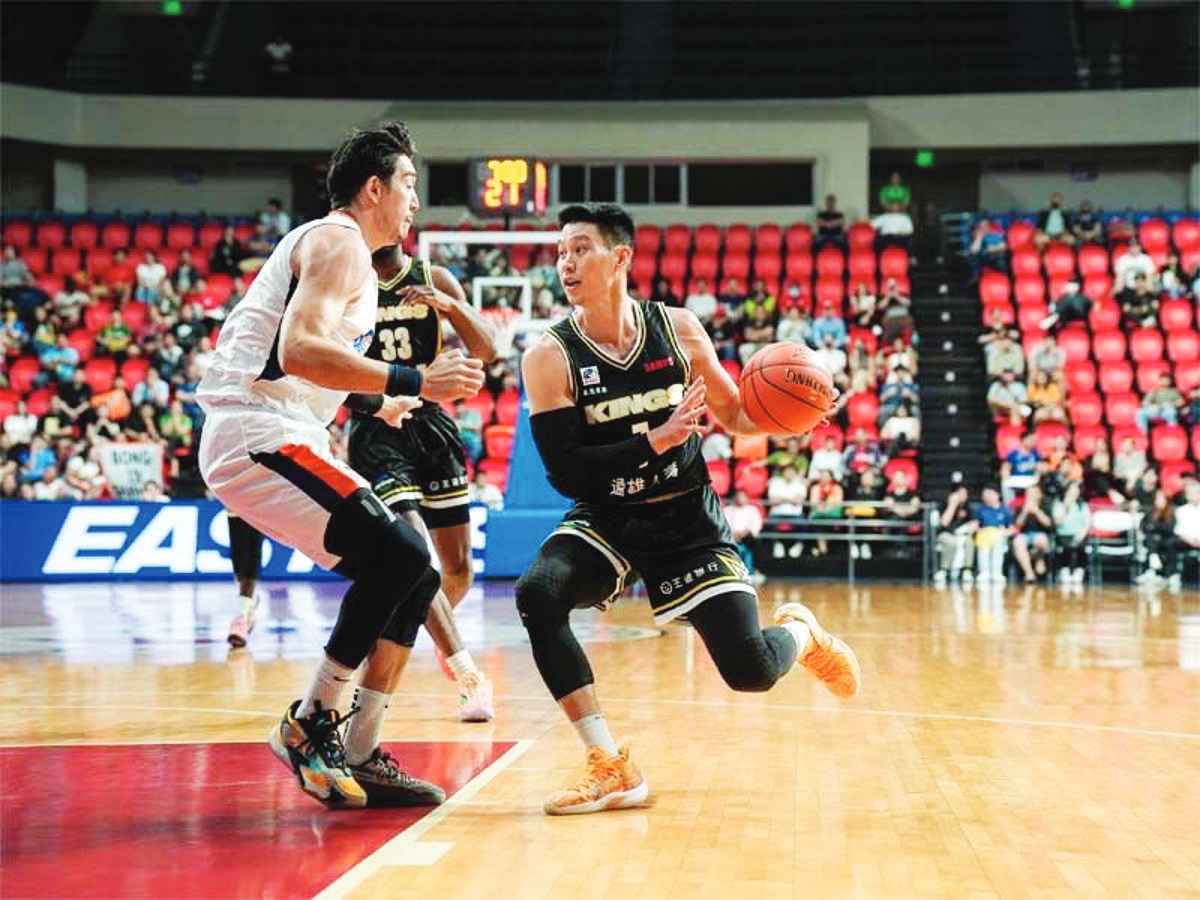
x: 685, y: 421
x: 452, y: 376
x: 396, y: 409
x: 430, y: 296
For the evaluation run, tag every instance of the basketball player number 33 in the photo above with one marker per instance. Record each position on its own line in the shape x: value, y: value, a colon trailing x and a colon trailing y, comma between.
x: 395, y: 344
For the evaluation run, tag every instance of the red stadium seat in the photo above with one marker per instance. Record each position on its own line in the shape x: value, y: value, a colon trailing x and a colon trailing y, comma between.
x: 1008, y: 438
x: 1047, y: 434
x: 1030, y: 289
x: 718, y: 472
x: 867, y: 281
x: 673, y: 266
x: 211, y: 232
x: 1026, y: 264
x: 1108, y: 346
x: 869, y: 339
x: 738, y: 237
x: 38, y: 403
x: 180, y: 235
x: 84, y: 343
x: 1186, y: 235
x: 498, y: 441
x: 1105, y: 316
x: 1145, y: 344
x: 1183, y: 346
x: 821, y: 432
x: 1086, y: 439
x: 37, y: 259
x: 1171, y: 476
x: 1190, y: 259
x: 135, y: 315
x: 990, y: 312
x: 508, y: 407
x: 708, y: 239
x: 1120, y: 410
x: 862, y: 262
x: 67, y: 261
x: 1057, y: 285
x: 1085, y: 409
x: 799, y: 267
x: 1196, y: 441
x: 51, y: 284
x: 751, y: 478
x: 1059, y: 260
x: 862, y: 410
x: 678, y: 239
x: 830, y: 290
x: 1168, y: 443
x: 893, y: 263
x: 705, y: 265
x: 1187, y: 376
x: 96, y: 316
x: 736, y: 265
x: 1129, y: 432
x: 115, y: 236
x: 733, y: 367
x: 767, y: 238
x: 134, y: 370
x: 1175, y: 315
x: 51, y: 235
x: 495, y: 471
x: 100, y: 372
x: 1098, y: 288
x: 1020, y: 234
x: 994, y: 288
x: 860, y: 236
x: 483, y: 404
x: 99, y: 261
x: 1116, y: 377
x: 18, y: 234
x: 803, y: 298
x: 8, y: 402
x: 1080, y: 377
x: 1154, y: 235
x: 1029, y: 317
x: 830, y: 263
x: 244, y: 232
x: 1074, y: 344
x: 1148, y: 374
x: 22, y: 372
x: 1093, y: 261
x: 906, y: 465
x: 644, y: 267
x: 799, y: 238
x: 84, y: 235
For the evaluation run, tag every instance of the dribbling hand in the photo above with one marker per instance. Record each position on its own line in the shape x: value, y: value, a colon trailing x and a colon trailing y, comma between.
x: 452, y: 376
x: 685, y: 420
x: 396, y: 409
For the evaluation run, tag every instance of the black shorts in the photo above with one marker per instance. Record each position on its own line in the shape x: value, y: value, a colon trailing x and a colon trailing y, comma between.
x: 681, y: 548
x: 421, y: 466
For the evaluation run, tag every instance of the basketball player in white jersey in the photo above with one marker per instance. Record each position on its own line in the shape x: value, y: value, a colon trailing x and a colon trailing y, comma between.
x: 289, y: 354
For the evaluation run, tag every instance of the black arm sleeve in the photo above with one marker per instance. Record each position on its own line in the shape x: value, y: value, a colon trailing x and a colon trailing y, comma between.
x: 582, y: 472
x: 364, y: 404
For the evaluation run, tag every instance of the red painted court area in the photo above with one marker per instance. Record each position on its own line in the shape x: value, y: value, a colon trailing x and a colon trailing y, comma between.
x: 191, y: 820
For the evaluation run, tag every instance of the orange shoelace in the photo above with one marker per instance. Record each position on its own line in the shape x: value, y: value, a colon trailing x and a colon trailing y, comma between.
x: 599, y: 770
x: 824, y: 664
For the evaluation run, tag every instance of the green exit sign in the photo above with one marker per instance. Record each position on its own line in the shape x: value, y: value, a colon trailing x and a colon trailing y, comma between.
x: 172, y: 7
x: 924, y: 159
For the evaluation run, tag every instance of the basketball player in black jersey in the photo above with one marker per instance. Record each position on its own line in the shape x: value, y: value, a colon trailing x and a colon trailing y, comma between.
x: 617, y: 390
x: 420, y: 469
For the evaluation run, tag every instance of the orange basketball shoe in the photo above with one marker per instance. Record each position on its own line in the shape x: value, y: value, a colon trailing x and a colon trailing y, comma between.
x: 608, y: 782
x: 827, y: 657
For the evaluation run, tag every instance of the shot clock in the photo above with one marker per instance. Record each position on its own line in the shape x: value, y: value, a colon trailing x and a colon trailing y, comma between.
x: 508, y: 185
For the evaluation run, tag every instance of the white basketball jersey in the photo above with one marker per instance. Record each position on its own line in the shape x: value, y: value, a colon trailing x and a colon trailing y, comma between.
x: 245, y: 370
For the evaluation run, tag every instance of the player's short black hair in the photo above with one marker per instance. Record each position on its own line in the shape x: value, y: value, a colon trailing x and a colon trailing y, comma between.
x: 366, y: 152
x: 614, y: 224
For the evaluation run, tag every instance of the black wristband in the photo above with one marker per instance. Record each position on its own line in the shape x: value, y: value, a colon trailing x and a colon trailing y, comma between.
x: 364, y: 404
x: 403, y: 380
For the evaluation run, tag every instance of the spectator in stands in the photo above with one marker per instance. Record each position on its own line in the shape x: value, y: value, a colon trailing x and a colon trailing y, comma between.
x: 716, y: 446
x: 1173, y: 280
x: 16, y: 335
x: 893, y: 229
x: 1187, y: 523
x: 702, y: 301
x: 794, y: 326
x: 37, y: 460
x: 185, y: 276
x: 988, y: 250
x: 227, y: 254
x: 791, y: 454
x: 74, y: 400
x: 794, y: 298
x: 895, y: 314
x: 825, y: 500
x: 1047, y: 358
x: 61, y: 360
x: 1139, y: 302
x: 758, y: 333
x: 733, y: 297
x: 828, y: 459
x: 1086, y: 226
x: 831, y: 225
x: 142, y: 425
x: 115, y: 337
x: 833, y: 359
x: 258, y: 248
x: 991, y: 538
x: 102, y: 429
x: 275, y: 222
x: 997, y: 329
x: 203, y: 355
x: 863, y: 307
x: 862, y: 453
x: 1020, y: 467
x: 470, y: 425
x: 864, y: 373
x: 1130, y: 464
x: 895, y: 196
x: 119, y: 278
x: 153, y: 390
x: 1072, y: 522
x: 759, y: 299
x: 45, y: 335
x: 175, y: 425
x: 829, y: 324
x: 663, y: 293
x: 1191, y: 412
x: 1003, y: 354
x: 724, y: 333
x: 1098, y: 480
x: 746, y: 522
x: 901, y: 432
x: 70, y: 301
x: 1130, y: 264
x: 12, y: 489
x: 1054, y: 224
x: 115, y: 401
x: 904, y: 500
x: 1034, y: 540
x: 1158, y: 531
x: 1160, y: 405
x: 168, y: 358
x: 151, y: 275
x: 188, y: 330
x: 50, y: 486
x: 20, y: 426
x: 1007, y: 398
x: 1045, y: 395
x: 864, y: 496
x: 786, y: 492
x: 956, y: 539
x: 483, y: 491
x: 1072, y: 306
x: 14, y: 273
x: 898, y: 390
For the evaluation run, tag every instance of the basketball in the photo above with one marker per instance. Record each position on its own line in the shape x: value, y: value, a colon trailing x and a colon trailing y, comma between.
x: 785, y: 390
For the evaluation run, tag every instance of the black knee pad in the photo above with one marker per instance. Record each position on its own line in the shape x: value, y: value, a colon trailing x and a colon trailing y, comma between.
x: 539, y: 594
x: 410, y: 615
x: 751, y: 673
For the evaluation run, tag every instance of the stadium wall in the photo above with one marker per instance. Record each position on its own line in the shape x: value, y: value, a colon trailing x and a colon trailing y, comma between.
x: 1109, y: 190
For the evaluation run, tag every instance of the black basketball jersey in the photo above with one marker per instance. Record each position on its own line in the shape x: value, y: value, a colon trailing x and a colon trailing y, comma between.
x: 620, y: 398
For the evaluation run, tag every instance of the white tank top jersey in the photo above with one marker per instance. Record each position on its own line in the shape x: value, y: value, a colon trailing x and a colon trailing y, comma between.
x: 245, y: 371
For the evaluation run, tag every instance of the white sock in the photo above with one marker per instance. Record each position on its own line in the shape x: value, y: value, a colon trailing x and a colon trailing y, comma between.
x: 593, y: 731
x: 801, y: 633
x: 362, y: 736
x: 326, y: 687
x: 249, y: 605
x: 461, y: 665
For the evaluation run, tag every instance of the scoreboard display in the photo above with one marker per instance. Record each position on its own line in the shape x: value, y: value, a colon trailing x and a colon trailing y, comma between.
x: 512, y: 185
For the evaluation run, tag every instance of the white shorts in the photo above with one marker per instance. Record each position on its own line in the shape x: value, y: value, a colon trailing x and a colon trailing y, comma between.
x: 278, y: 475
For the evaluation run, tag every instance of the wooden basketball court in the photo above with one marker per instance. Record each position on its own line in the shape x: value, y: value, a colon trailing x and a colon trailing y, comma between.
x: 1030, y: 743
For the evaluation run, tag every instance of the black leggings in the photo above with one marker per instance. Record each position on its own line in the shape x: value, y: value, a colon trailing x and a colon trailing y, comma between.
x: 245, y: 548
x: 571, y: 574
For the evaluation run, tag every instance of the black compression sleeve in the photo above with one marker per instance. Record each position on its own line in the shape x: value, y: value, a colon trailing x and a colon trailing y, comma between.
x: 364, y: 404
x: 403, y: 380
x: 586, y: 473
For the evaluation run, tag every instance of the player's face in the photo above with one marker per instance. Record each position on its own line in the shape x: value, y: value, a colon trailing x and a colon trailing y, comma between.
x: 400, y: 203
x: 587, y: 266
